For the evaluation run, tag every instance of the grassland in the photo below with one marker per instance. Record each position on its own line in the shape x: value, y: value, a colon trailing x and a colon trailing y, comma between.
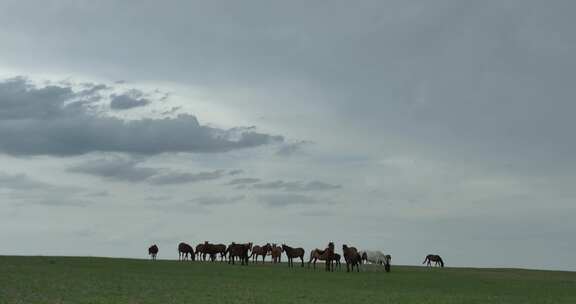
x: 102, y: 280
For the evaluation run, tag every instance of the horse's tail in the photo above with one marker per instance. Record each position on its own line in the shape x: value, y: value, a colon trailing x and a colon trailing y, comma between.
x: 441, y: 261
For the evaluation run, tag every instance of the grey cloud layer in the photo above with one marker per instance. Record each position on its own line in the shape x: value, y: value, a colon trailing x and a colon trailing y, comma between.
x: 130, y: 100
x: 130, y: 170
x: 297, y: 186
x: 54, y: 120
x: 25, y: 191
x: 287, y: 199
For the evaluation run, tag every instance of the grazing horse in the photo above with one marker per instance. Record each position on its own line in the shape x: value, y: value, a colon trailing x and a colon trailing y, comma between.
x: 199, y: 251
x: 326, y: 255
x: 240, y: 251
x: 292, y: 253
x: 276, y: 253
x: 153, y: 251
x: 183, y: 251
x: 433, y: 258
x: 377, y: 257
x: 260, y: 250
x: 351, y: 257
x: 213, y: 250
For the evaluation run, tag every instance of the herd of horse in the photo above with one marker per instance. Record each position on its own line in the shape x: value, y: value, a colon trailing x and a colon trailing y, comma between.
x: 246, y: 251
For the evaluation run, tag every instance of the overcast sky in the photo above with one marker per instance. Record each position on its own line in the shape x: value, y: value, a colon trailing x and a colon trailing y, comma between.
x: 412, y: 127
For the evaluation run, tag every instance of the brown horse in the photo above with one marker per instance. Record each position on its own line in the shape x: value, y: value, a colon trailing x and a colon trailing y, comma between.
x: 326, y: 255
x: 213, y: 250
x: 364, y: 259
x: 351, y: 257
x: 276, y: 253
x: 153, y: 251
x: 183, y: 251
x: 433, y: 258
x: 199, y: 251
x: 336, y: 261
x: 240, y: 251
x: 292, y: 253
x: 260, y: 250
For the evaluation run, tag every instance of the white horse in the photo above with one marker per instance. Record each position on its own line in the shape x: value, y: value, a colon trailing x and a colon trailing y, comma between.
x: 376, y: 257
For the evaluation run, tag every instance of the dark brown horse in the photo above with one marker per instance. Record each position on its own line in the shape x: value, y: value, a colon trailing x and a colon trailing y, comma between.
x: 212, y: 250
x: 433, y: 258
x: 276, y: 253
x: 364, y: 257
x: 292, y: 253
x: 199, y: 251
x: 260, y: 251
x: 351, y: 257
x: 153, y: 251
x: 240, y: 251
x: 326, y: 255
x: 336, y: 261
x: 183, y: 251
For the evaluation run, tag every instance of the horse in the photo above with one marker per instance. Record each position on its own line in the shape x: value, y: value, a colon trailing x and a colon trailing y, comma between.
x: 200, y: 250
x: 326, y: 255
x: 276, y: 253
x: 292, y: 253
x: 183, y: 251
x: 433, y: 258
x: 240, y: 251
x: 213, y: 250
x: 377, y: 257
x: 153, y: 251
x: 336, y: 261
x: 260, y: 250
x: 351, y: 257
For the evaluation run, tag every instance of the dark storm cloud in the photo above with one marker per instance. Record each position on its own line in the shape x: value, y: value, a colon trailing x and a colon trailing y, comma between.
x: 131, y: 170
x: 129, y: 100
x: 297, y: 186
x: 53, y: 120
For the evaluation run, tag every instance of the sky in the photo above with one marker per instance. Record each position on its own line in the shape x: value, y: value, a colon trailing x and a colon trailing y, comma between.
x: 411, y: 127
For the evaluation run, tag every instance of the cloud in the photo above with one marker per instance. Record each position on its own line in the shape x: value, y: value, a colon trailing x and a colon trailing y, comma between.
x: 288, y: 149
x: 217, y: 200
x: 25, y: 191
x: 98, y: 194
x: 243, y: 181
x: 297, y: 186
x: 315, y: 213
x: 129, y: 170
x: 121, y: 169
x: 235, y: 172
x: 181, y: 178
x: 20, y: 182
x: 285, y: 199
x: 55, y: 120
x: 129, y: 100
x: 158, y: 198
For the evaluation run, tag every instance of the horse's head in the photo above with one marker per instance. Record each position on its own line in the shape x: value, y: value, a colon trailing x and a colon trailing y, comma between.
x: 344, y: 247
x: 205, y: 242
x: 331, y: 245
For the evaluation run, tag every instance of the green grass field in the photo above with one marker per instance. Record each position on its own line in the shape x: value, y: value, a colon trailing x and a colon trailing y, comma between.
x: 102, y: 280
